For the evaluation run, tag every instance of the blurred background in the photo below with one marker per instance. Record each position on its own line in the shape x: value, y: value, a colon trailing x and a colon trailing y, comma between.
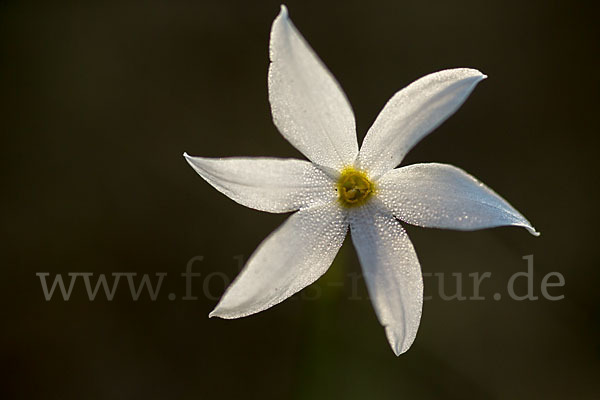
x: 98, y: 101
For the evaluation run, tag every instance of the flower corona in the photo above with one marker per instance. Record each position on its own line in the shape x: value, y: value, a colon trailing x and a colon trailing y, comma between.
x: 354, y: 187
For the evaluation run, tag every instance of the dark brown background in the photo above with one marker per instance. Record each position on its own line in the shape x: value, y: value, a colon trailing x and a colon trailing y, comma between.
x: 100, y: 99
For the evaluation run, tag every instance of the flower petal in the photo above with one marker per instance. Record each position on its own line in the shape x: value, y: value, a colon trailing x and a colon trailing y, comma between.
x: 309, y: 108
x: 291, y: 258
x: 443, y: 196
x: 391, y: 270
x: 412, y: 113
x: 267, y: 184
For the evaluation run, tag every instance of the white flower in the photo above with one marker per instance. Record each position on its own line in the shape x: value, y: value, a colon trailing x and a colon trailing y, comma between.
x: 343, y: 187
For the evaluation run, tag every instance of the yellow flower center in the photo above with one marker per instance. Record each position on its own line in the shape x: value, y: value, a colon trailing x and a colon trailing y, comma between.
x: 354, y: 187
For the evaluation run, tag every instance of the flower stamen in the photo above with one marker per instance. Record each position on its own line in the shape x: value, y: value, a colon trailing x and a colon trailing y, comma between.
x: 354, y: 187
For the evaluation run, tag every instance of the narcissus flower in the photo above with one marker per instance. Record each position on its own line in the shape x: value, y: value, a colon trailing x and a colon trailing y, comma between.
x: 343, y: 187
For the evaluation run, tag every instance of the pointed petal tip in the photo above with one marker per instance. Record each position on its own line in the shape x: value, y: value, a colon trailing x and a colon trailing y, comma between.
x: 399, y: 345
x: 477, y: 72
x: 219, y: 312
x: 398, y: 349
x: 216, y: 313
x: 465, y: 72
x: 478, y: 75
x: 527, y: 225
x: 468, y: 73
x: 281, y: 22
x: 190, y: 160
x: 283, y: 12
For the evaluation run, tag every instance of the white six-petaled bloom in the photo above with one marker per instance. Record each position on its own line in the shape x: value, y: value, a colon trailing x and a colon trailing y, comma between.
x: 343, y: 187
